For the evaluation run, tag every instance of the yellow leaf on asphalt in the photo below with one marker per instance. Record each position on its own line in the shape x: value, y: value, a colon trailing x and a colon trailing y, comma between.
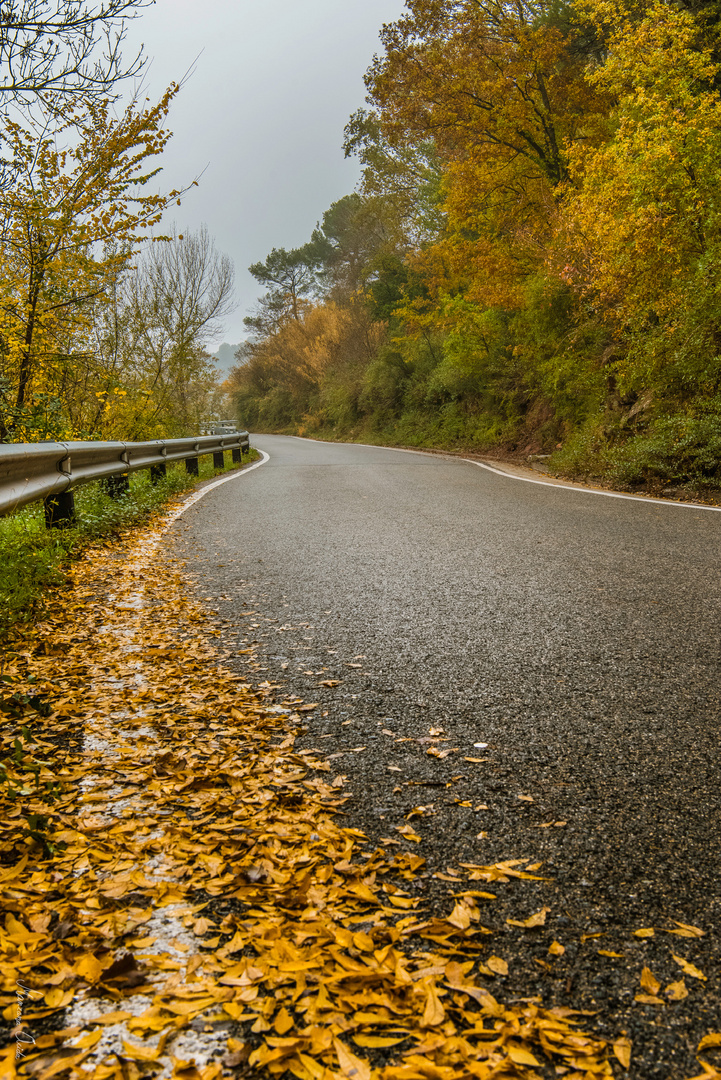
x: 351, y: 1066
x: 115, y: 1017
x: 686, y: 931
x: 539, y: 919
x: 519, y: 1056
x: 53, y: 998
x: 87, y: 1042
x: 689, y: 968
x: 622, y: 1049
x: 283, y: 1021
x: 378, y: 1040
x: 556, y: 949
x: 647, y: 931
x: 142, y: 1053
x: 712, y: 1039
x: 676, y: 991
x: 237, y: 1011
x: 649, y: 982
x: 409, y: 832
x: 363, y: 941
x: 497, y: 965
x: 460, y: 916
x: 434, y: 1013
x: 649, y: 999
x: 89, y: 968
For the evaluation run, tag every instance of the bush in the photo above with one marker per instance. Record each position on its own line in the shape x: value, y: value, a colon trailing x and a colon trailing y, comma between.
x: 678, y: 449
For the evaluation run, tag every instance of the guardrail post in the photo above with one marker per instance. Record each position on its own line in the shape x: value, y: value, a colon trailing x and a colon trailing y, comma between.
x: 60, y: 510
x: 191, y: 466
x: 157, y: 472
x: 237, y: 460
x: 116, y: 486
x: 219, y: 460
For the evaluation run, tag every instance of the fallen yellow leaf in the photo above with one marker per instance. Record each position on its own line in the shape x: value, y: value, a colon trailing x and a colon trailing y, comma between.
x: 539, y: 919
x: 434, y: 1013
x: 351, y: 1066
x: 649, y: 982
x: 686, y: 931
x: 649, y: 999
x: 520, y: 1056
x: 676, y: 991
x: 688, y: 968
x: 622, y: 1049
x: 497, y: 965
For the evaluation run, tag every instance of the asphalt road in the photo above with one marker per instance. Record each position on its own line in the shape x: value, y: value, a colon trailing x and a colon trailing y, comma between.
x: 576, y: 635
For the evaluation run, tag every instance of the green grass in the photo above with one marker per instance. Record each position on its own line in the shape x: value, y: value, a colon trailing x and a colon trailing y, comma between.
x: 34, y: 559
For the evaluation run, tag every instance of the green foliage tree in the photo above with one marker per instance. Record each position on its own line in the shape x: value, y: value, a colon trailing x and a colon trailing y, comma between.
x: 289, y: 278
x: 534, y: 241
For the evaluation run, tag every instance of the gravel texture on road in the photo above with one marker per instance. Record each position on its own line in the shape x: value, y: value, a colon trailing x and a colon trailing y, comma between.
x: 562, y: 647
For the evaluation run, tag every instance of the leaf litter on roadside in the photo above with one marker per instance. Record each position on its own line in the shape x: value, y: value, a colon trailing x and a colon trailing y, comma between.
x: 191, y: 900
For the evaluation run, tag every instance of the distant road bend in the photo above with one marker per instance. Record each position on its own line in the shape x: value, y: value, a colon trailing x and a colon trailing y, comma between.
x: 576, y: 636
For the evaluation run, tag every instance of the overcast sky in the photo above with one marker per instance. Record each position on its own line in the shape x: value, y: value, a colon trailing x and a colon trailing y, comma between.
x: 263, y: 114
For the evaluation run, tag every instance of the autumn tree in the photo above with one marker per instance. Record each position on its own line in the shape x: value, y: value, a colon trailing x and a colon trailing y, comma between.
x: 75, y: 213
x: 644, y: 242
x: 405, y: 176
x: 500, y: 91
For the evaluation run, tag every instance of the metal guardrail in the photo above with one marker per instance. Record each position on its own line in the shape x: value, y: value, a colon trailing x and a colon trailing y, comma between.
x: 33, y: 471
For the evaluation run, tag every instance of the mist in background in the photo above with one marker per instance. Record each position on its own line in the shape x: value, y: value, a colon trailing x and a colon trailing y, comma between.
x: 260, y: 119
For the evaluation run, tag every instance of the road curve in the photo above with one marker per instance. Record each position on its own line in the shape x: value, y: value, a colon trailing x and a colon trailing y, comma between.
x: 577, y: 636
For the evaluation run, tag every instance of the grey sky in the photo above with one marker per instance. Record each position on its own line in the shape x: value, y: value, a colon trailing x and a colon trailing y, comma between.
x: 264, y: 111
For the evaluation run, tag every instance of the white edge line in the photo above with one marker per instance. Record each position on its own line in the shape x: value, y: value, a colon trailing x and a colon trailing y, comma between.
x: 192, y: 499
x: 594, y: 491
x: 527, y: 479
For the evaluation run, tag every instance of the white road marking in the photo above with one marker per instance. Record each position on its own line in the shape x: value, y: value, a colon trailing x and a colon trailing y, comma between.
x: 525, y: 479
x: 594, y: 491
x: 187, y: 503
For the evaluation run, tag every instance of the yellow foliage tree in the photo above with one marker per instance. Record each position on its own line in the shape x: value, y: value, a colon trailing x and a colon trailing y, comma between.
x: 642, y: 230
x: 81, y: 203
x: 500, y: 90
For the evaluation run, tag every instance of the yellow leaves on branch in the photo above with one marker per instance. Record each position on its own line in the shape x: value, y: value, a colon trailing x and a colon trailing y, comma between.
x: 71, y: 219
x: 643, y: 212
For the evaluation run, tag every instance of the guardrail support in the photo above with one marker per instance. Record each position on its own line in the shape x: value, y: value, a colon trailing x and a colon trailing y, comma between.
x: 116, y: 486
x: 191, y: 466
x: 157, y: 472
x: 237, y: 459
x: 60, y: 510
x: 219, y: 460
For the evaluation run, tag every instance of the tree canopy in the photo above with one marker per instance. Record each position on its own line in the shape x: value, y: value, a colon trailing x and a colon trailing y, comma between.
x: 533, y: 246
